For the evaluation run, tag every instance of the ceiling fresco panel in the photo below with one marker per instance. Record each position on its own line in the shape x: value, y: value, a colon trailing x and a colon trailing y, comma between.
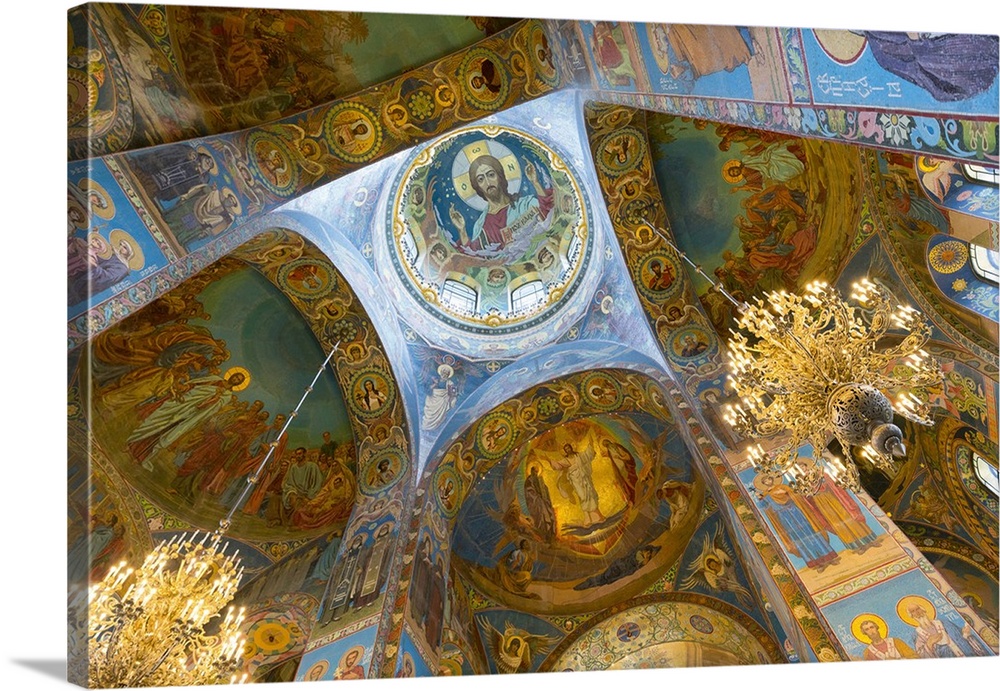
x: 574, y: 516
x: 759, y: 211
x: 171, y: 385
x: 954, y: 73
x: 665, y: 630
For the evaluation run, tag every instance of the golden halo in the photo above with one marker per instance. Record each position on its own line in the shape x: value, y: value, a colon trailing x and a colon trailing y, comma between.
x: 214, y: 170
x: 843, y: 46
x: 463, y: 162
x: 926, y: 164
x: 883, y: 628
x: 904, y: 605
x: 136, y: 260
x: 242, y: 370
x: 359, y: 649
x: 322, y: 666
x: 442, y: 369
x: 107, y: 252
x: 106, y: 209
x: 976, y: 600
x: 765, y: 482
x: 728, y: 176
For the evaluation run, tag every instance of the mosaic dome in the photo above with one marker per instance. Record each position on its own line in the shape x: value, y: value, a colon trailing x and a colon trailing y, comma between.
x: 489, y: 230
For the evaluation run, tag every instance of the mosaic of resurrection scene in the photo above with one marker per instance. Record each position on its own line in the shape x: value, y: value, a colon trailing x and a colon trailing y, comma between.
x: 539, y: 535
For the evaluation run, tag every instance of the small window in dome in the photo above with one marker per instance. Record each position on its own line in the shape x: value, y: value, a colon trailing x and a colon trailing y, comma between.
x: 527, y: 296
x: 459, y: 296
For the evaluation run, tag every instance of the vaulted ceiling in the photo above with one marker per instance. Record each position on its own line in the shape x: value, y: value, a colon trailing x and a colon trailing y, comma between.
x: 568, y: 337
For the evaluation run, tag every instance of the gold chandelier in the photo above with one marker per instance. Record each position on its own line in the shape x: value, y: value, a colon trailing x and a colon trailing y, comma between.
x: 812, y: 367
x: 162, y: 624
x: 153, y: 626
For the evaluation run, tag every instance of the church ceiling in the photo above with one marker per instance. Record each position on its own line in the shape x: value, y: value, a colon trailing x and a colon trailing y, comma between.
x: 509, y: 329
x: 666, y: 630
x: 160, y: 73
x: 511, y: 251
x: 224, y: 355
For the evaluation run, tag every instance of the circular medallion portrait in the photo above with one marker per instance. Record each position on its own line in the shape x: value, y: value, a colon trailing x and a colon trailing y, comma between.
x: 621, y: 151
x: 381, y: 471
x: 448, y: 485
x: 691, y: 343
x: 489, y: 230
x: 273, y: 163
x: 485, y: 82
x: 307, y: 278
x: 658, y: 277
x: 352, y: 132
x: 601, y: 391
x: 371, y: 393
x: 541, y: 55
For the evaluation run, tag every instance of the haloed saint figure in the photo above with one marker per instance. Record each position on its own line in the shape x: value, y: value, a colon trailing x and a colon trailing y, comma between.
x: 494, y: 222
x: 505, y: 214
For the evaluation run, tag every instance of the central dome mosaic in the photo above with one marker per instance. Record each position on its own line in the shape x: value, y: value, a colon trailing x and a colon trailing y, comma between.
x: 489, y: 230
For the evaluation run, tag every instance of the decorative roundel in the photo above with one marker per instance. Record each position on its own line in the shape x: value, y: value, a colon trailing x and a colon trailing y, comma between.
x: 628, y: 632
x: 541, y: 55
x: 381, y: 471
x: 484, y: 78
x: 691, y: 343
x: 621, y: 151
x: 82, y: 95
x: 489, y: 230
x: 658, y: 277
x: 602, y: 392
x: 496, y: 434
x: 371, y: 393
x: 949, y: 256
x: 352, y: 132
x: 307, y: 278
x: 271, y: 637
x: 272, y: 163
x: 447, y: 490
x: 701, y: 624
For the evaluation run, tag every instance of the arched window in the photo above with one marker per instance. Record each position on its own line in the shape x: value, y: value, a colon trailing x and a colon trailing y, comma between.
x: 988, y: 176
x: 985, y: 263
x: 459, y: 296
x: 527, y: 296
x: 987, y: 473
x: 408, y: 245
